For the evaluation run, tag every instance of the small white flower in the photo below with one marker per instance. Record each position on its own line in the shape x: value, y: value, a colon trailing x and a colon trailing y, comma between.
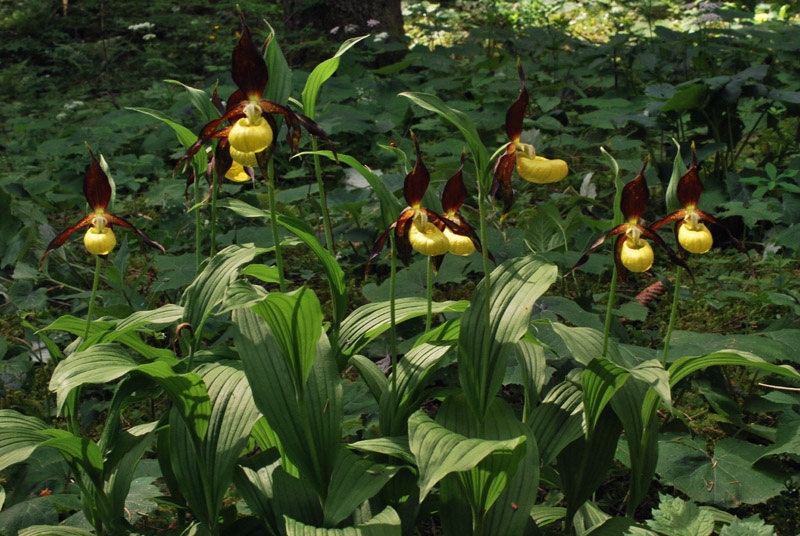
x: 373, y: 22
x: 334, y: 30
x: 350, y: 28
x: 141, y: 26
x: 148, y: 37
x: 381, y: 36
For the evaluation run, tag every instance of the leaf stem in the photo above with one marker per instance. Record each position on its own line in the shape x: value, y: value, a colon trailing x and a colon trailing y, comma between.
x: 198, y: 223
x: 611, y: 295
x: 214, y: 186
x: 90, y: 313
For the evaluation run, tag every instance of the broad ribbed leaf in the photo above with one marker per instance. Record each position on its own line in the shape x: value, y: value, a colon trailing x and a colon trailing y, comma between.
x: 78, y: 452
x: 295, y: 320
x: 185, y: 136
x: 53, y: 530
x: 433, y: 103
x: 503, y: 486
x: 396, y: 447
x: 101, y: 363
x: 558, y: 420
x: 304, y: 232
x: 354, y: 480
x: 321, y: 73
x: 585, y: 344
x: 387, y: 523
x: 533, y: 366
x: 600, y: 380
x: 103, y: 331
x: 164, y: 315
x: 128, y: 448
x: 390, y: 205
x: 17, y: 444
x: 296, y: 498
x: 241, y: 294
x: 372, y: 375
x: 207, y: 290
x: 439, y: 451
x: 253, y: 479
x: 516, y: 285
x: 369, y: 321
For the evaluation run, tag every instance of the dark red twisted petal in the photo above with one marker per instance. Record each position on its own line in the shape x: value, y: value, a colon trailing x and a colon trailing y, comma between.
x: 596, y: 244
x: 635, y: 196
x: 416, y: 182
x: 677, y: 215
x: 454, y: 192
x: 61, y: 237
x: 690, y: 187
x: 704, y: 216
x: 96, y: 186
x: 248, y: 68
x: 622, y: 272
x: 115, y: 220
x: 516, y: 112
x: 501, y: 185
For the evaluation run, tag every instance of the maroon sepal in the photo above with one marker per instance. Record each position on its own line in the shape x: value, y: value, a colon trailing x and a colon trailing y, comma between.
x: 516, y: 112
x: 222, y: 160
x: 635, y: 196
x: 248, y: 68
x: 96, y: 186
x: 501, y: 185
x: 463, y: 229
x: 216, y: 101
x: 705, y: 217
x: 621, y: 228
x: 690, y: 187
x: 61, y: 237
x: 124, y: 223
x: 189, y: 182
x: 677, y: 215
x: 454, y: 192
x: 437, y: 263
x: 403, y: 245
x: 416, y: 182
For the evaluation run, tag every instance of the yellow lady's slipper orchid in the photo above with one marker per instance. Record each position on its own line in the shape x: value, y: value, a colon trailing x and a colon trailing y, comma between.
x: 99, y: 238
x: 250, y: 134
x: 693, y: 235
x: 426, y: 238
x: 632, y: 253
x: 539, y: 169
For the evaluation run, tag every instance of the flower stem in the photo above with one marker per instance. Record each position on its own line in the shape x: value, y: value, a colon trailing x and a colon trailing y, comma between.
x: 214, y: 186
x: 323, y: 200
x: 611, y: 295
x: 273, y: 218
x: 95, y: 283
x: 487, y: 320
x: 673, y: 315
x: 429, y: 288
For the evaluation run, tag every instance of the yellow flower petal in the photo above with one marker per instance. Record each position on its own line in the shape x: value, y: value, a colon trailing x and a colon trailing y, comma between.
x: 99, y: 241
x: 427, y: 239
x: 636, y: 258
x: 237, y: 173
x: 459, y: 244
x: 243, y: 158
x: 539, y: 169
x: 250, y: 136
x: 697, y: 240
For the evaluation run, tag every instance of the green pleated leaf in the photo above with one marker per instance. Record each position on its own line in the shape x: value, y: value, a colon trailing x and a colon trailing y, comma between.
x: 584, y: 344
x: 241, y: 294
x: 545, y: 515
x: 162, y: 316
x: 101, y: 363
x: 387, y: 523
x: 17, y: 444
x: 461, y: 121
x: 121, y: 461
x: 600, y: 381
x: 368, y: 321
x: 439, y: 451
x: 304, y: 232
x: 208, y: 289
x: 321, y: 73
x: 501, y: 487
x: 354, y: 480
x: 679, y: 169
x: 267, y: 274
x: 78, y: 452
x: 53, y: 530
x: 390, y: 205
x: 295, y: 320
x: 533, y: 366
x: 200, y: 100
x: 558, y: 420
x: 102, y: 331
x: 296, y: 498
x: 396, y: 447
x: 253, y: 479
x: 372, y: 375
x: 516, y: 285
